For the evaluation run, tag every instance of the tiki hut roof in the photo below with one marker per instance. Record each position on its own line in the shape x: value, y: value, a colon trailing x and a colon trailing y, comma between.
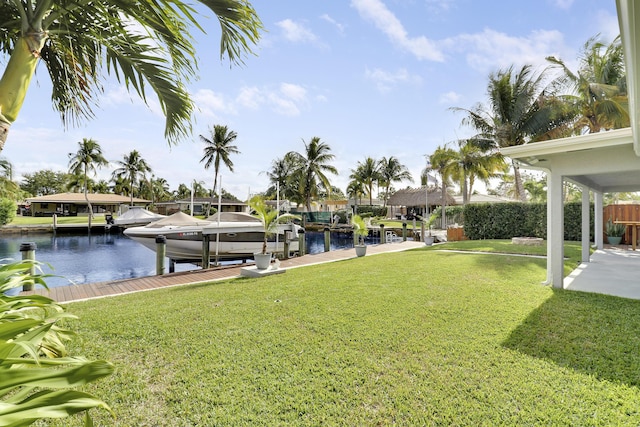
x: 416, y: 197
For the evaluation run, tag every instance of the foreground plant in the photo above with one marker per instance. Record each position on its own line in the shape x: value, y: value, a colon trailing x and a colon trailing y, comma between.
x: 37, y: 376
x: 144, y: 44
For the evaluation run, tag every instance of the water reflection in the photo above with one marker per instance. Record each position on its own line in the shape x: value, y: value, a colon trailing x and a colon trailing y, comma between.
x: 99, y: 257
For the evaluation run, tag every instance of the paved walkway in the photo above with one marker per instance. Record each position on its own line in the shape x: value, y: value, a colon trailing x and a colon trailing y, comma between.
x: 610, y: 272
x: 71, y: 293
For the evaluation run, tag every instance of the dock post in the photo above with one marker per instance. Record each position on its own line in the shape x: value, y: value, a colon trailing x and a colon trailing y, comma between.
x: 404, y: 231
x: 382, y: 236
x: 161, y: 250
x: 302, y: 245
x: 285, y: 252
x: 55, y: 222
x: 28, y: 250
x: 206, y: 251
x: 327, y: 239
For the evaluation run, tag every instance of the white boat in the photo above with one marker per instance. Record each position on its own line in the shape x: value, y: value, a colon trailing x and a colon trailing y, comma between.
x: 137, y: 216
x: 232, y: 236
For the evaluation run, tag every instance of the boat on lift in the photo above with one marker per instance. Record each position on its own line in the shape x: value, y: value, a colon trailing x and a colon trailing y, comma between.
x: 232, y: 236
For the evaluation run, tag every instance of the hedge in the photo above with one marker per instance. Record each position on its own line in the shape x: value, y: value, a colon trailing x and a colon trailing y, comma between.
x: 8, y: 209
x: 507, y: 220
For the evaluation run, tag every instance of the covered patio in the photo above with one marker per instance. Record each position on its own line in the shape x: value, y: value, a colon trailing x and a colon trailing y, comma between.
x: 605, y: 162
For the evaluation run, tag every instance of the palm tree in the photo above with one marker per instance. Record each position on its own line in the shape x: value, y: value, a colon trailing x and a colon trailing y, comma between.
x: 367, y: 172
x: 443, y: 162
x: 217, y: 149
x: 143, y: 44
x: 471, y: 162
x: 159, y: 189
x: 355, y: 191
x: 87, y: 159
x: 311, y: 169
x: 7, y: 167
x: 519, y: 112
x: 391, y: 170
x: 132, y: 168
x: 8, y: 188
x: 598, y: 89
x: 280, y: 175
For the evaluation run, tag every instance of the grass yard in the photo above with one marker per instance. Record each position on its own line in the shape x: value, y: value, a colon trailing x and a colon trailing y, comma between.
x: 413, y: 338
x: 47, y: 220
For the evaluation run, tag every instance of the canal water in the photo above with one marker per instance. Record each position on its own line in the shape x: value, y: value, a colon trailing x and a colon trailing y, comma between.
x: 99, y: 257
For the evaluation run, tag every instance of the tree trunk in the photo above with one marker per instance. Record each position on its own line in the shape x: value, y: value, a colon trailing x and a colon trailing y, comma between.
x: 444, y: 206
x: 520, y: 194
x: 16, y: 79
x: 86, y: 196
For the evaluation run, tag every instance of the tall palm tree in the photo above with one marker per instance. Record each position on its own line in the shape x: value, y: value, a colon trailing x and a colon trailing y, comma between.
x: 144, y: 44
x: 367, y: 172
x: 598, y: 89
x: 132, y: 168
x: 218, y: 148
x: 471, y: 162
x: 519, y: 112
x: 311, y: 169
x: 87, y: 159
x: 443, y: 162
x: 391, y: 170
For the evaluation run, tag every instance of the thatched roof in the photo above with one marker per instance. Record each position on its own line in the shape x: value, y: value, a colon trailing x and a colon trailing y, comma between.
x: 416, y: 197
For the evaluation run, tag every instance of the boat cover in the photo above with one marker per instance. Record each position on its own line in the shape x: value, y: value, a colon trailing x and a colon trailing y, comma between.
x: 178, y: 219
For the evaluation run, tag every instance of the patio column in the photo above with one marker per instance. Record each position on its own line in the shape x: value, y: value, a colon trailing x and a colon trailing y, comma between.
x: 586, y: 229
x: 555, y: 230
x: 598, y: 220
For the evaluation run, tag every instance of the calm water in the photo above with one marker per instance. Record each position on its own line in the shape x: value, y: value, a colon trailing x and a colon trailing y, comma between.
x: 84, y: 258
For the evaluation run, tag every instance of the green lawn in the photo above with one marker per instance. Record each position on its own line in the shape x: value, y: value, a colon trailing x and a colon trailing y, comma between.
x: 422, y: 337
x: 44, y: 220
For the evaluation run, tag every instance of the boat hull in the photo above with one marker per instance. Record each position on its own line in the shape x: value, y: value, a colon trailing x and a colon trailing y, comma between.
x: 237, y: 243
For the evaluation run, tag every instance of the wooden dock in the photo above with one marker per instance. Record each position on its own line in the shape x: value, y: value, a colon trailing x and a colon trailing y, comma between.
x: 73, y: 293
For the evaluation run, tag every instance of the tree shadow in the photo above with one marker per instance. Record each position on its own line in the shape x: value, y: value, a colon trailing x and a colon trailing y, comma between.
x: 598, y: 335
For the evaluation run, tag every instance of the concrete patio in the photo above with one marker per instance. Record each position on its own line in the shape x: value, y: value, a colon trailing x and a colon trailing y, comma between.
x: 611, y: 271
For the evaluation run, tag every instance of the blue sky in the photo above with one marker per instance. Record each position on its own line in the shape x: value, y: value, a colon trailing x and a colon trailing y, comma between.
x: 369, y: 77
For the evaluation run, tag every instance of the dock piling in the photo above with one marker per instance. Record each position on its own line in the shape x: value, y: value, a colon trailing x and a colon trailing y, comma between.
x: 161, y: 250
x: 327, y: 239
x: 301, y: 242
x: 28, y: 250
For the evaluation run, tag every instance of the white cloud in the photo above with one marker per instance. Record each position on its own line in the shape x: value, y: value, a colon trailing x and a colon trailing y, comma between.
x: 289, y: 99
x: 210, y: 103
x: 449, y: 98
x: 296, y: 32
x: 340, y: 27
x: 376, y: 11
x: 385, y: 80
x: 563, y: 4
x: 250, y: 97
x: 490, y: 50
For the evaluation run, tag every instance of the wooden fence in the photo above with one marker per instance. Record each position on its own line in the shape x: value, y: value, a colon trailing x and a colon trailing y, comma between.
x: 622, y: 213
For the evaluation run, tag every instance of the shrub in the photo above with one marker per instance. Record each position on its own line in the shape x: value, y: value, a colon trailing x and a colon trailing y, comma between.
x: 507, y: 220
x: 8, y: 209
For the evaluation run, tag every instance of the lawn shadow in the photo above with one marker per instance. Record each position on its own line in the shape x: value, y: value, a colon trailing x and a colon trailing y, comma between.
x: 594, y: 334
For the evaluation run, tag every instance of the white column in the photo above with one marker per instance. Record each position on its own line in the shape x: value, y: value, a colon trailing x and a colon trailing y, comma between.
x: 586, y: 226
x: 555, y: 230
x: 597, y: 219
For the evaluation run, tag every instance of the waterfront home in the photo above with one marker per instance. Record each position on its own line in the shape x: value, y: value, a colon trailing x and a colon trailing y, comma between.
x: 75, y: 204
